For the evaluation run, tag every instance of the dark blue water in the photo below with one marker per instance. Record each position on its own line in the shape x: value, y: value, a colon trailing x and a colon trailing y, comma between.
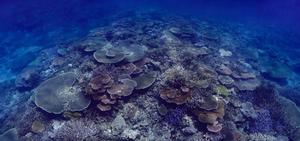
x: 260, y: 39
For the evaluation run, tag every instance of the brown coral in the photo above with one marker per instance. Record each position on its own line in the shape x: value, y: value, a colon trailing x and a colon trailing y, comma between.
x: 97, y: 88
x: 99, y: 84
x: 211, y: 117
x: 177, y: 96
x: 176, y: 87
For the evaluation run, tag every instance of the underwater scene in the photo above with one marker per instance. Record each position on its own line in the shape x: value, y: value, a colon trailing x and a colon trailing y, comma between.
x: 150, y: 70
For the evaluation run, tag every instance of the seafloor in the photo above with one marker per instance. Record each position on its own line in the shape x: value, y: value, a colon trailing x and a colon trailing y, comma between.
x: 156, y: 77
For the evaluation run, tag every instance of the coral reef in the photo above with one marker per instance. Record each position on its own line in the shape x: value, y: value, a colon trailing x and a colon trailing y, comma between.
x: 147, y: 76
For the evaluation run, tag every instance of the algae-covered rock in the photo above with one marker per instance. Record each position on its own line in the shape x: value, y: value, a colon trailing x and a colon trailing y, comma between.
x: 10, y: 135
x: 59, y: 94
x: 145, y: 80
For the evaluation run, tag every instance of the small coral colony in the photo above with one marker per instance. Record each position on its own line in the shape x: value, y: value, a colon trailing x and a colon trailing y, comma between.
x: 183, y: 77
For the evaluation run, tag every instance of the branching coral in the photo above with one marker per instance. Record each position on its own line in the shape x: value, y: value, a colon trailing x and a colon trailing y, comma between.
x: 81, y: 129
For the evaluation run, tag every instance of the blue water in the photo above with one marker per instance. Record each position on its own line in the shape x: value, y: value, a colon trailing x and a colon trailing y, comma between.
x: 262, y: 37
